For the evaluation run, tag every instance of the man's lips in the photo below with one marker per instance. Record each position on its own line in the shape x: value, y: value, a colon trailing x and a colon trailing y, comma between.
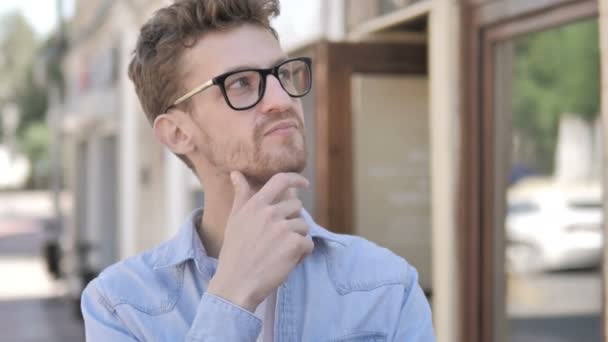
x: 284, y: 127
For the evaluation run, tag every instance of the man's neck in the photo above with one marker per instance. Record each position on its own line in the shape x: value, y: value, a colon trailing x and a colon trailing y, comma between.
x: 219, y: 198
x: 218, y: 204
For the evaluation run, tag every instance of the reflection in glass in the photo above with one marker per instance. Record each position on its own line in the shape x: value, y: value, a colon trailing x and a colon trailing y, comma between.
x: 547, y: 109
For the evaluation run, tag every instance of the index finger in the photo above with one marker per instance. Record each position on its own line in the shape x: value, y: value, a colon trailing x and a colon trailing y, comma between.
x: 278, y: 184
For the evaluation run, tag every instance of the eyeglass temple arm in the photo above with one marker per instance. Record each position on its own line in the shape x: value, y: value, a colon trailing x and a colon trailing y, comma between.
x: 193, y: 92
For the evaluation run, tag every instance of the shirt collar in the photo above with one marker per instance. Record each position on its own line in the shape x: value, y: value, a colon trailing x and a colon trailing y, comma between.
x: 186, y: 244
x: 316, y: 231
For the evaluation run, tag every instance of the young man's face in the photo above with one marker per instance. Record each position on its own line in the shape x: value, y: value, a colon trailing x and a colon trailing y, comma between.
x: 245, y: 140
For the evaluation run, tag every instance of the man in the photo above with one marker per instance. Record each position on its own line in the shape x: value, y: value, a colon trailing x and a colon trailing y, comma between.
x: 253, y: 265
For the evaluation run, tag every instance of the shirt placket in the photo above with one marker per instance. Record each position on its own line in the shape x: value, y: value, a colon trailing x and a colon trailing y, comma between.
x: 284, y: 329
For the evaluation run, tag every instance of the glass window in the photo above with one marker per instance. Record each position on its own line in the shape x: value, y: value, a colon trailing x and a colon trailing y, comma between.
x: 548, y: 130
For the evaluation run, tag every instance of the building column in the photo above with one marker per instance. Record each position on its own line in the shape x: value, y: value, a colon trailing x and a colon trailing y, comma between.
x: 129, y: 161
x: 91, y: 230
x: 176, y: 192
x: 444, y: 67
x: 603, y: 26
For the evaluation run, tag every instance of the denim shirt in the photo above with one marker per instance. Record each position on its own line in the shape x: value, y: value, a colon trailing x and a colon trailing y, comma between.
x: 348, y: 289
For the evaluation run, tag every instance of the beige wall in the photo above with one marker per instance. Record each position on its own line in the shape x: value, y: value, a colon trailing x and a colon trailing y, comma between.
x: 145, y: 224
x: 142, y: 216
x: 151, y: 220
x: 391, y: 166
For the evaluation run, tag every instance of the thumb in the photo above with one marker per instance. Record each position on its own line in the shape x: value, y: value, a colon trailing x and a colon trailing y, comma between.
x: 242, y: 190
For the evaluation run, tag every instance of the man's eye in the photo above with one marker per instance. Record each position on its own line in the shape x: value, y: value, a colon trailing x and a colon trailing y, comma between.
x: 285, y: 74
x: 241, y: 82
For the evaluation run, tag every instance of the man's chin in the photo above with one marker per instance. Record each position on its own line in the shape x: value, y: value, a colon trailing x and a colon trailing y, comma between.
x: 262, y: 174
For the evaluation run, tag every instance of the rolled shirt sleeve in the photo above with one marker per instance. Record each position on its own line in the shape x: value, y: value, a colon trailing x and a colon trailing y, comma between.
x: 220, y: 320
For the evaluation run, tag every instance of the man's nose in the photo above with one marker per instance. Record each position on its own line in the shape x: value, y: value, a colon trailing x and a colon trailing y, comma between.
x: 276, y: 99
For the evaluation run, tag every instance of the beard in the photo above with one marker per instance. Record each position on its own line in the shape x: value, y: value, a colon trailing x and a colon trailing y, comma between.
x: 259, y: 158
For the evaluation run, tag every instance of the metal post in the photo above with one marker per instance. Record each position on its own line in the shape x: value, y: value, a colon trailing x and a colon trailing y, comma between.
x: 54, y: 120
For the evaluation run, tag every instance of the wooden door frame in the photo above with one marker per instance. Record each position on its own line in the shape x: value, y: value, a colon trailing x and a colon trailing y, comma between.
x: 334, y: 65
x: 485, y: 25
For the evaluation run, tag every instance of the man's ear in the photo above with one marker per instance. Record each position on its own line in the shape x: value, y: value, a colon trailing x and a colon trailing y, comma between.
x: 172, y: 131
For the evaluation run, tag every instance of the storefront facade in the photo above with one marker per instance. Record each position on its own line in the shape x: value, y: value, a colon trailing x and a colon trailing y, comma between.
x: 411, y: 130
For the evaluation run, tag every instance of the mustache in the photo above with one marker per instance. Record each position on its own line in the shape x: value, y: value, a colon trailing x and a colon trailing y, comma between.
x: 263, y: 126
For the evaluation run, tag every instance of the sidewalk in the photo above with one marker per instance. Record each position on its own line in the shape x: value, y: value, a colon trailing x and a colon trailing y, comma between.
x: 32, y: 307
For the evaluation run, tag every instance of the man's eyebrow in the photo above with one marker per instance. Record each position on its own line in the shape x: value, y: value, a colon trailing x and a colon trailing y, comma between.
x: 251, y: 66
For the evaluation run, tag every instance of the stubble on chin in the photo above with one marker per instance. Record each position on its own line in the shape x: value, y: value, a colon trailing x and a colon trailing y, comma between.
x: 256, y: 164
x: 264, y: 165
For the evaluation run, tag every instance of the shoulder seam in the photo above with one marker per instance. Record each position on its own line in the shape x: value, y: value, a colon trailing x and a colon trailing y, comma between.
x: 105, y: 302
x: 102, y: 298
x: 344, y: 288
x: 113, y: 304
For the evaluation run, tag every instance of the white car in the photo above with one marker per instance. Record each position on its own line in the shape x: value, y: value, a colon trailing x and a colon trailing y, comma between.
x: 553, y: 226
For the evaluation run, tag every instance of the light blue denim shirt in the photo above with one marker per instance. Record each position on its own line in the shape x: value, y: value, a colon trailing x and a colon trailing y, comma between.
x: 348, y: 289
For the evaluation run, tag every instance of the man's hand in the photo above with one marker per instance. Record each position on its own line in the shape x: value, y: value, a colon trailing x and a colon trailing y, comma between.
x: 265, y: 238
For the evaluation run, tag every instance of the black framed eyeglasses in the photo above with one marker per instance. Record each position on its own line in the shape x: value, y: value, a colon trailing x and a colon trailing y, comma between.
x: 243, y: 89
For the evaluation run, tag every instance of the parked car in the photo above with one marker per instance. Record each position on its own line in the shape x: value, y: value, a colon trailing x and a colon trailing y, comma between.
x: 553, y: 226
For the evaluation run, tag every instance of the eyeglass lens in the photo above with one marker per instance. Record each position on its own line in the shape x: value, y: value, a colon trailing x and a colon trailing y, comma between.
x: 243, y: 89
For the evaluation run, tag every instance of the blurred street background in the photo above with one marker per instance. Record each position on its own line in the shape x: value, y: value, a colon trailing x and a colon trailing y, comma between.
x: 32, y: 303
x: 467, y: 136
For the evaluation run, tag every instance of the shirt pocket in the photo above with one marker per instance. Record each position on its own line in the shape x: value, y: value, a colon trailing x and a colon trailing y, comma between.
x: 365, y: 336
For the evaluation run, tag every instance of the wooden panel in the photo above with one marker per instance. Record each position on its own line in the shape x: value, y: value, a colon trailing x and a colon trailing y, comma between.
x: 487, y: 205
x: 334, y: 65
x: 485, y: 23
x: 548, y: 19
x: 497, y: 11
x: 379, y: 57
x: 469, y: 201
x: 321, y: 90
